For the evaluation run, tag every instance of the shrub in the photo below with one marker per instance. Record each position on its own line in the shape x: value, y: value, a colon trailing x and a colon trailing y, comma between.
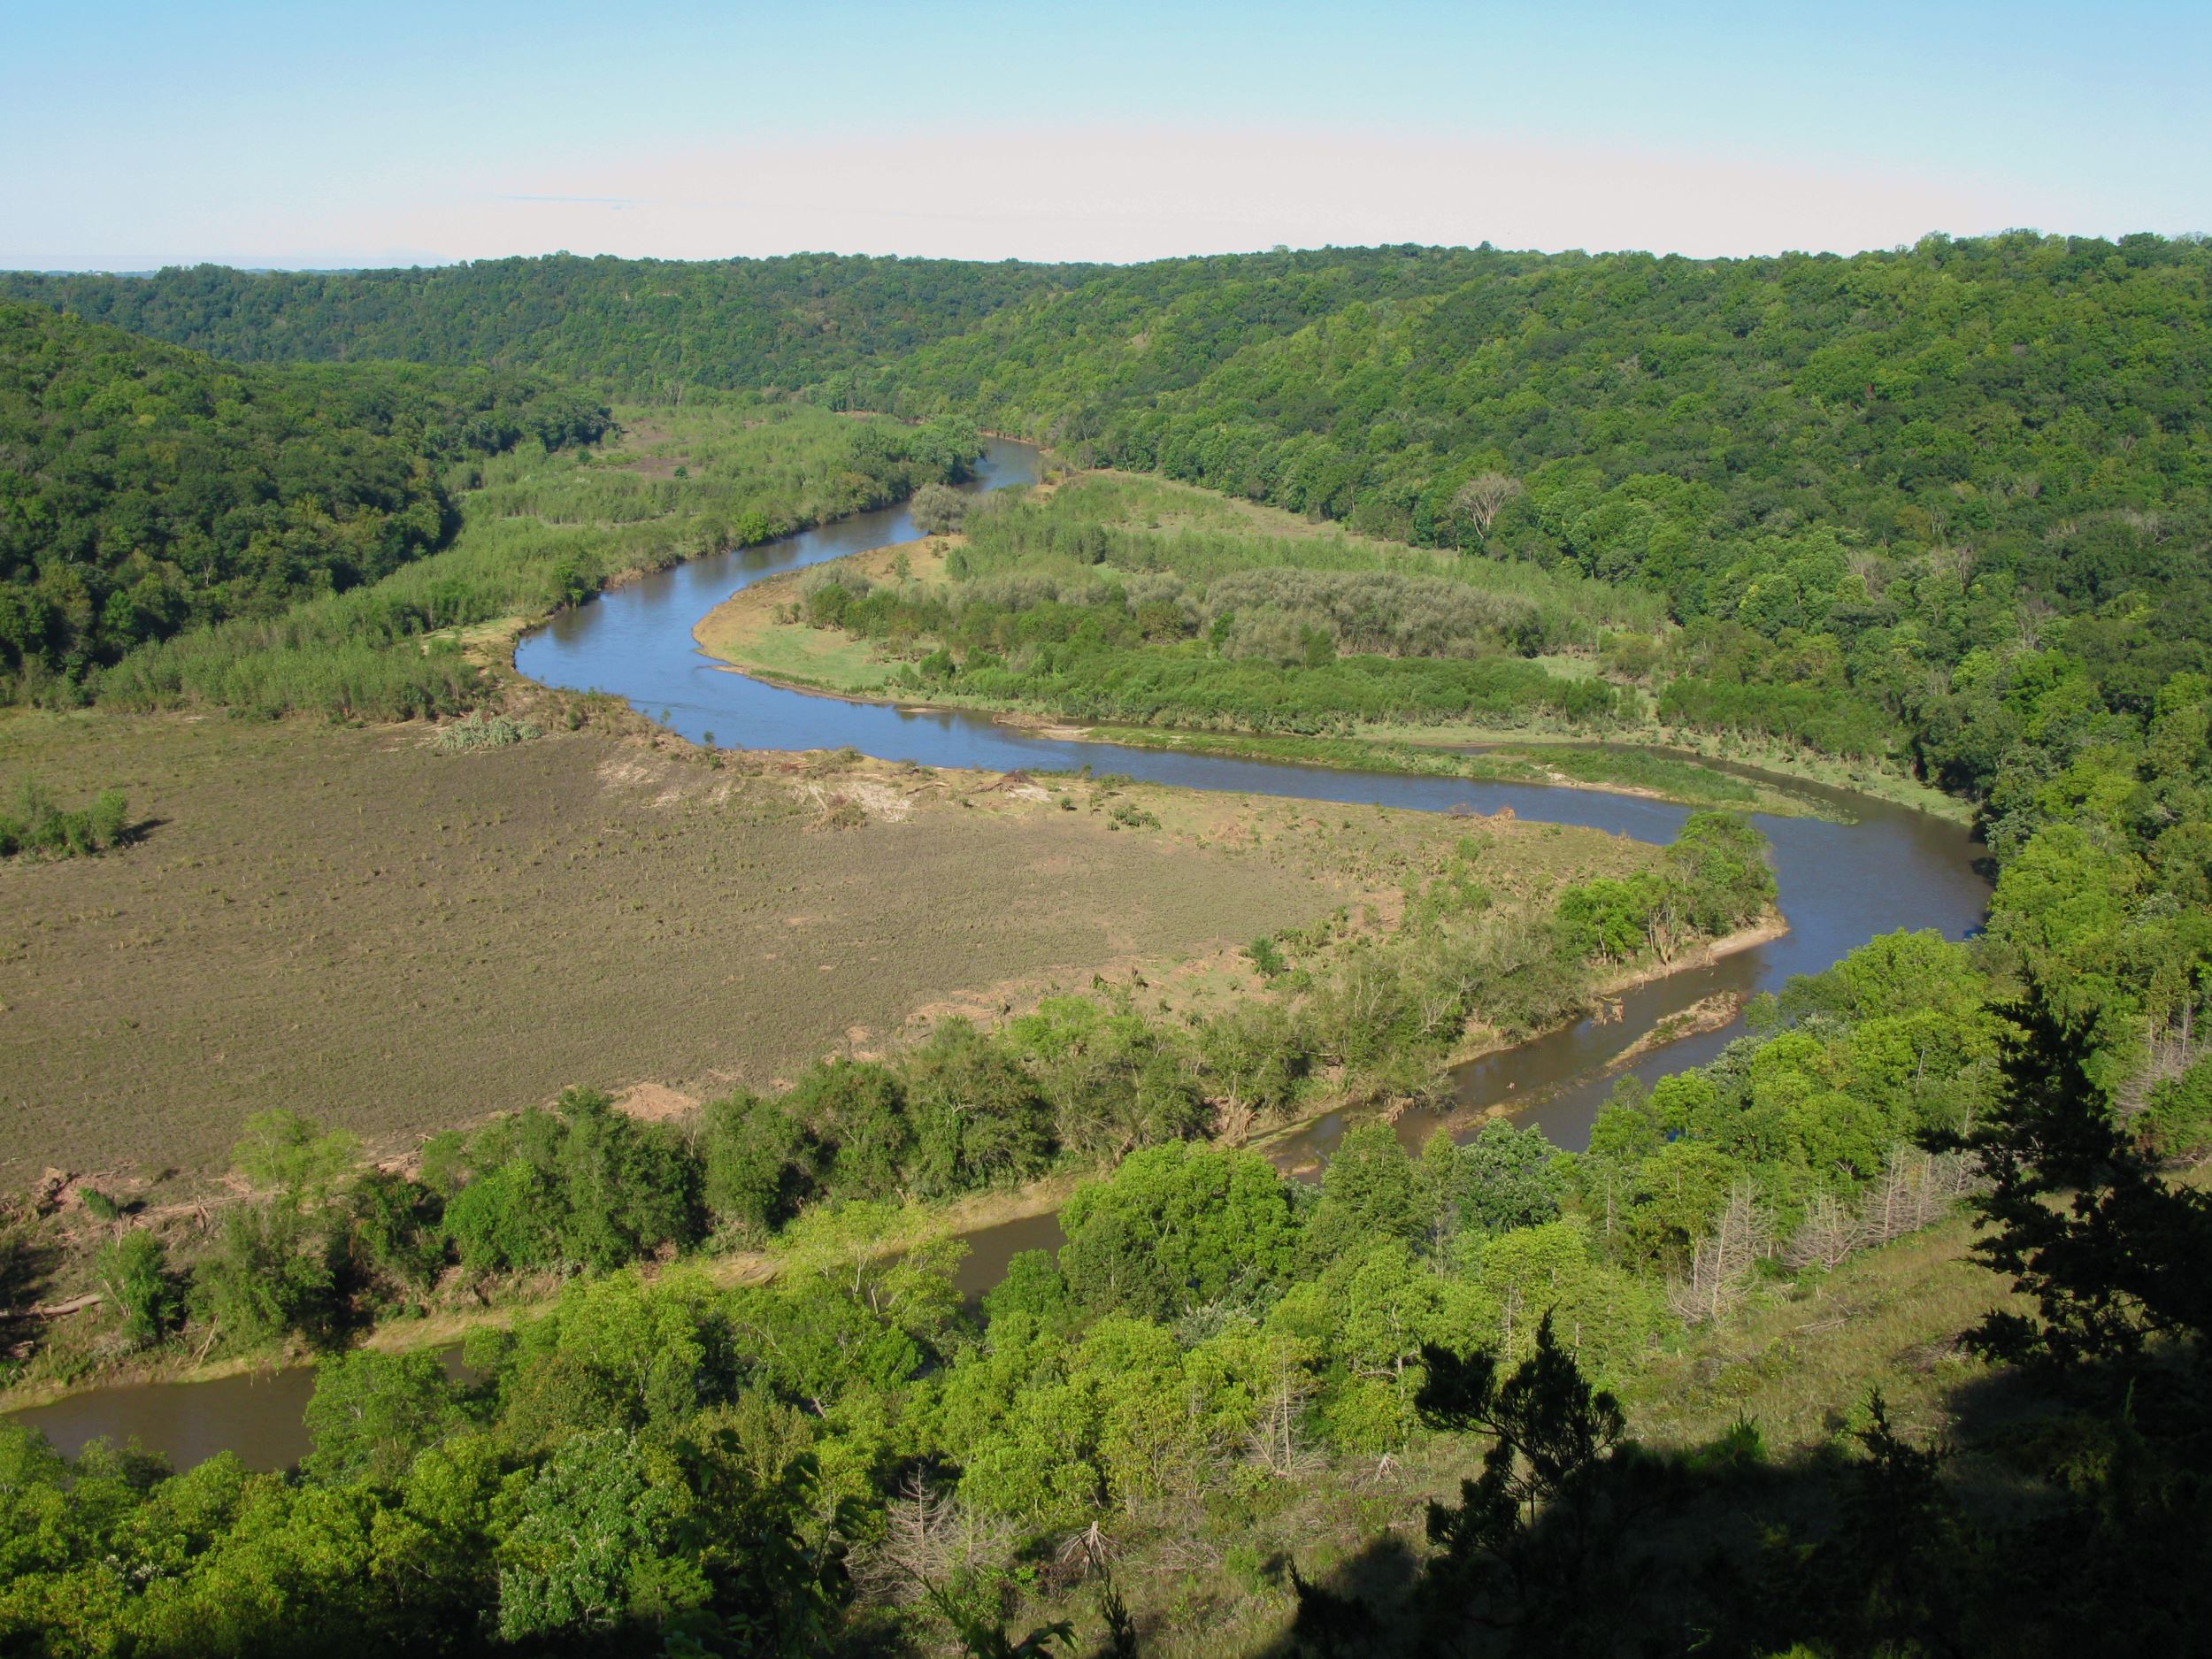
x: 479, y: 730
x: 134, y: 1273
x: 269, y: 1277
x: 938, y: 510
x: 38, y: 823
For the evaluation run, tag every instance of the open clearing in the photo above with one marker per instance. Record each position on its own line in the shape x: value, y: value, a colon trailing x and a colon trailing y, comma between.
x: 347, y: 923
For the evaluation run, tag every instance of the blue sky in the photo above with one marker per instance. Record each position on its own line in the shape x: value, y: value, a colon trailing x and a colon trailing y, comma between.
x: 292, y: 134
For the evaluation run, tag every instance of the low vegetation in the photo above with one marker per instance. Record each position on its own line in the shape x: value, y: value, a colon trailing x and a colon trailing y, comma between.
x: 36, y: 824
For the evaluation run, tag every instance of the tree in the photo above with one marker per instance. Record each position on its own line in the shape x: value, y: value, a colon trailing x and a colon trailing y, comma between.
x: 760, y: 1162
x: 856, y: 1109
x: 372, y: 1413
x: 1367, y: 1192
x: 938, y: 510
x: 134, y: 1272
x: 977, y: 1118
x: 270, y: 1276
x: 1479, y: 501
x: 292, y: 1155
x: 1527, y: 1547
x: 1505, y: 1178
x: 396, y: 1244
x: 2115, y: 1256
x: 1175, y: 1227
x: 598, y: 1542
x: 1724, y: 1257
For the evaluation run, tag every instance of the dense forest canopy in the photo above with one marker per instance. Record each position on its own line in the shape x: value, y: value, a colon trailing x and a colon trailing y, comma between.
x: 145, y: 489
x: 643, y: 327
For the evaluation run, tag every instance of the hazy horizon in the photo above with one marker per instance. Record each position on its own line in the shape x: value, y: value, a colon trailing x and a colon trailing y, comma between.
x: 259, y: 136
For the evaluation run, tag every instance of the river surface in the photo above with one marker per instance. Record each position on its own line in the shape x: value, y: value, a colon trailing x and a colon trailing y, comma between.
x: 1841, y: 883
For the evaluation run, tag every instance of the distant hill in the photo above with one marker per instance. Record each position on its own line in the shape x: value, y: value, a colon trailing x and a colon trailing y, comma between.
x: 644, y: 327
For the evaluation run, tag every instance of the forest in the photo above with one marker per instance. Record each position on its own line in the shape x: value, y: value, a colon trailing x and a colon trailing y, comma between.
x: 651, y: 330
x: 1945, y: 510
x: 151, y: 491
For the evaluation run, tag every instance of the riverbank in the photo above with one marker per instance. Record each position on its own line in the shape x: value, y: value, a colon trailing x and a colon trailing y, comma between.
x: 754, y: 632
x: 852, y: 1232
x: 751, y: 631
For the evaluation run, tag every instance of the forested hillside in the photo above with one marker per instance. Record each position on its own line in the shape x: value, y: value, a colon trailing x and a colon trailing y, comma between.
x: 145, y: 490
x: 644, y: 328
x: 1872, y: 489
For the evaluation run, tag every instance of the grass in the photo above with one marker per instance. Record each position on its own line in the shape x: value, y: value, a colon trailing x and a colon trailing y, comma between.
x: 747, y: 630
x: 1800, y: 1362
x: 347, y: 923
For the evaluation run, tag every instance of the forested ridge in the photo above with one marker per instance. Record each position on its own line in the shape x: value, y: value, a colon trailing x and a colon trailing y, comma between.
x: 644, y: 328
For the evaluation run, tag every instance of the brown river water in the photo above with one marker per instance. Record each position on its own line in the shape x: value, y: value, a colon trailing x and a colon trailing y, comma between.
x: 1870, y: 869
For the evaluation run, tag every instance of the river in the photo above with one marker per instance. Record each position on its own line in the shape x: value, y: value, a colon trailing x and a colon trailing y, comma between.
x: 1841, y: 883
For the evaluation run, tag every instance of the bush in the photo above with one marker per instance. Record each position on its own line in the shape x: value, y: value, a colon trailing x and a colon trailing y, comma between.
x: 134, y: 1273
x: 1266, y: 957
x: 479, y: 730
x: 938, y: 510
x: 38, y: 823
x: 269, y: 1277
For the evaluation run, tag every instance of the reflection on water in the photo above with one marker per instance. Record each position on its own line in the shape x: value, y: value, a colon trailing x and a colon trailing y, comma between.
x: 991, y: 1249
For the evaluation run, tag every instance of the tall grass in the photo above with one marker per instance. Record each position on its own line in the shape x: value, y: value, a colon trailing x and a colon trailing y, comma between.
x: 1149, y: 525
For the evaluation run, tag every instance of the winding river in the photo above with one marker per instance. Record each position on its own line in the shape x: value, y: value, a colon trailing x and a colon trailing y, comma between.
x: 1841, y: 883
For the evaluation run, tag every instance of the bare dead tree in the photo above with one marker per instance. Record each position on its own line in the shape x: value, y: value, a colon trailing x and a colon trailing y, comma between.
x: 1829, y: 1234
x: 1481, y: 498
x: 1722, y: 1262
x: 1276, y: 1443
x: 929, y: 1536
